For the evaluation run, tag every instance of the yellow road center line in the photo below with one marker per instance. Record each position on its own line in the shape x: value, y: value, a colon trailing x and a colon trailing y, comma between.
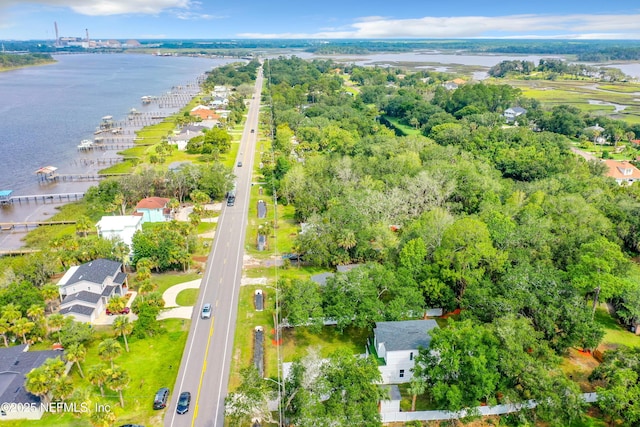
x: 204, y: 368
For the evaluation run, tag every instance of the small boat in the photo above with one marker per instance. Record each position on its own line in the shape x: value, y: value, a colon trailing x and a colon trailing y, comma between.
x: 85, y: 144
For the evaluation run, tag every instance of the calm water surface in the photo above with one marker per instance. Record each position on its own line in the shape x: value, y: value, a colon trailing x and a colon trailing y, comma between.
x: 46, y: 111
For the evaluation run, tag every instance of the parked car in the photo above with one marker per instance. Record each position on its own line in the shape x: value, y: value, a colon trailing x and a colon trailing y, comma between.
x: 160, y: 400
x: 292, y: 257
x: 125, y: 310
x: 131, y: 425
x: 206, y: 311
x: 183, y: 402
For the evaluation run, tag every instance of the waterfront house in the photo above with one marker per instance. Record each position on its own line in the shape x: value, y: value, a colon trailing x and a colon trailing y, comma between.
x: 186, y: 134
x: 396, y: 345
x: 119, y: 226
x: 154, y: 209
x: 15, y: 363
x: 86, y: 289
x: 205, y: 114
x: 622, y: 171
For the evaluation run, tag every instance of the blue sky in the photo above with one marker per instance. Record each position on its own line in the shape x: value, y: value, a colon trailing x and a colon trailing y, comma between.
x: 321, y: 19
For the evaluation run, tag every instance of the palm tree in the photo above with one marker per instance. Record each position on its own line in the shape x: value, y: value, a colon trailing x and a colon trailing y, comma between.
x: 97, y: 376
x: 116, y: 304
x: 146, y: 287
x: 50, y: 294
x: 102, y: 418
x: 121, y: 251
x: 117, y: 380
x: 122, y: 326
x: 11, y: 312
x: 22, y: 327
x: 5, y: 327
x: 36, y: 313
x: 416, y: 386
x: 109, y: 349
x: 76, y: 353
x: 173, y: 204
x: 38, y: 383
x: 62, y: 388
x: 83, y: 225
x: 56, y: 322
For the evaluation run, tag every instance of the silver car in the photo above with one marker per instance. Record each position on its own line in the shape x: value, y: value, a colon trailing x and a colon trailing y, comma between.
x: 206, y: 311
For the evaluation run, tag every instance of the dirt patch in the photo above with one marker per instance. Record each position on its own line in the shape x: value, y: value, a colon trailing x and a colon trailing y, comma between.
x: 199, y: 258
x: 250, y: 262
x: 578, y: 365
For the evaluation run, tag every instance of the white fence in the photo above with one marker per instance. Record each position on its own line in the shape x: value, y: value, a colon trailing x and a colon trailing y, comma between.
x: 481, y: 410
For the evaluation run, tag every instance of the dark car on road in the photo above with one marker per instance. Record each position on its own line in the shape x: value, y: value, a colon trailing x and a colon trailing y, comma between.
x: 160, y: 401
x: 183, y: 402
x: 239, y: 164
x: 125, y: 310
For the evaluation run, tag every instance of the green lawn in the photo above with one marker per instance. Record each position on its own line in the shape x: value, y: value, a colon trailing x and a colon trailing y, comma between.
x: 166, y: 280
x: 615, y: 333
x: 152, y: 363
x: 188, y: 297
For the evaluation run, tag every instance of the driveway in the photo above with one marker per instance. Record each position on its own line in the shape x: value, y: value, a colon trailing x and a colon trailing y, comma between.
x: 103, y: 319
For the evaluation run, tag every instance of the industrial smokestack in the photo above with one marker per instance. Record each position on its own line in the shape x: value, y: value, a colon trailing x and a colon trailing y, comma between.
x: 55, y: 25
x: 87, y: 31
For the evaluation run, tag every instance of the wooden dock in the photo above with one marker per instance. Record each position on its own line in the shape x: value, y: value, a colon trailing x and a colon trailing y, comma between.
x: 17, y: 252
x: 81, y: 176
x: 10, y: 226
x: 44, y: 198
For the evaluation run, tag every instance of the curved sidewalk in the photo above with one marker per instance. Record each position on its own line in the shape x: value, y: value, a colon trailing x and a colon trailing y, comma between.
x: 172, y: 309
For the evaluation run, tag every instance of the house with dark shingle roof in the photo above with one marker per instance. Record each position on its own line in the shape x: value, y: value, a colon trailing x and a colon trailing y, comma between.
x: 15, y: 363
x: 85, y: 289
x: 397, y: 343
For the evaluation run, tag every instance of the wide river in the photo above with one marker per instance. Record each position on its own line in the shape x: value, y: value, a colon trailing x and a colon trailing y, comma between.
x: 46, y: 111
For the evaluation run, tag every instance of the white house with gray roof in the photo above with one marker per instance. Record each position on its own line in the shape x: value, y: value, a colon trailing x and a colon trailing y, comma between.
x: 397, y: 343
x: 85, y: 289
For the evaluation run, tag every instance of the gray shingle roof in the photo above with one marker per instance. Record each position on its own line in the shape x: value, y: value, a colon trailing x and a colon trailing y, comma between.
x: 108, y: 290
x: 120, y: 278
x: 78, y: 309
x: 14, y: 365
x: 95, y: 271
x: 404, y: 335
x: 82, y: 296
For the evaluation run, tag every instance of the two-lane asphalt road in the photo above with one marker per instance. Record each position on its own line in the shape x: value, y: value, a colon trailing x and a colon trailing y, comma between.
x: 204, y: 370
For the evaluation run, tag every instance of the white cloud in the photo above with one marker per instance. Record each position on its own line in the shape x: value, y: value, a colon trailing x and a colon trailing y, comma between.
x: 548, y: 26
x: 112, y: 7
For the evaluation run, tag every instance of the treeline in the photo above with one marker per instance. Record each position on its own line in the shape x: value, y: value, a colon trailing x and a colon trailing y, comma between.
x: 587, y: 51
x: 554, y: 68
x: 23, y: 60
x: 232, y: 75
x: 505, y: 224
